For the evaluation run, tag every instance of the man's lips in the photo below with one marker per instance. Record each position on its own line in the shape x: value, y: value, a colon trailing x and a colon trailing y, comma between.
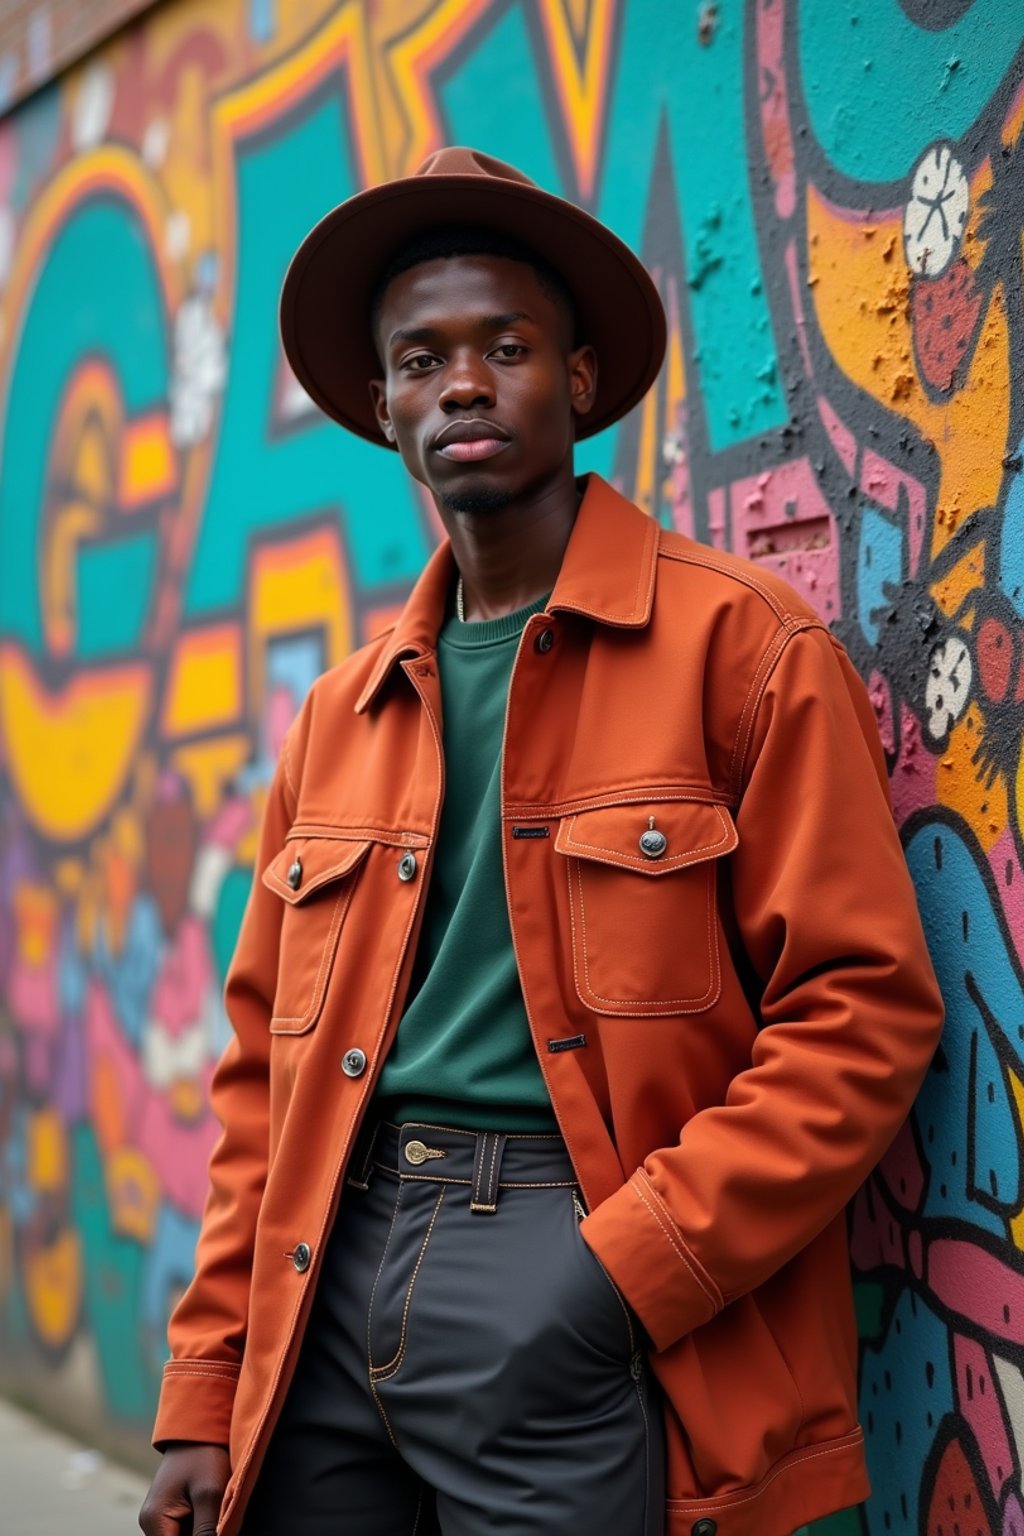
x: 473, y: 448
x: 466, y: 441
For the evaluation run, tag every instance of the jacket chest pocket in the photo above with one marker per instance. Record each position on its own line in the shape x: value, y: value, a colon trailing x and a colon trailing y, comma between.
x: 315, y: 878
x: 642, y: 901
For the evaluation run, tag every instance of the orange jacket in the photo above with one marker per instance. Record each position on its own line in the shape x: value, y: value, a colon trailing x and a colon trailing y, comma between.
x: 758, y: 1003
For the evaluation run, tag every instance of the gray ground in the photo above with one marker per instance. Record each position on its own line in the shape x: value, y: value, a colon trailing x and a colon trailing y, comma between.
x: 50, y: 1486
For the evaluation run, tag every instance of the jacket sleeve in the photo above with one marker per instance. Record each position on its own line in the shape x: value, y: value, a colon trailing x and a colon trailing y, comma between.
x: 208, y: 1327
x: 850, y: 1013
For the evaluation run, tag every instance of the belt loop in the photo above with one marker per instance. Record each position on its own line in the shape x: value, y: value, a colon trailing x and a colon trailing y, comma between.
x: 361, y: 1179
x: 490, y: 1145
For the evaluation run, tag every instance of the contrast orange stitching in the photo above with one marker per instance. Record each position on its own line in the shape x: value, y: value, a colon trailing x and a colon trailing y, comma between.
x: 638, y: 861
x: 714, y: 1290
x: 794, y: 628
x: 684, y: 557
x: 349, y: 832
x: 648, y: 565
x: 204, y: 1364
x: 601, y: 799
x: 655, y: 1006
x: 727, y: 1503
x: 286, y: 763
x: 213, y: 1375
x: 341, y: 902
x: 673, y: 1242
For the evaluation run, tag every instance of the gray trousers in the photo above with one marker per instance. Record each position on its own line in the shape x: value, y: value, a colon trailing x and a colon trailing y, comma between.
x: 468, y: 1365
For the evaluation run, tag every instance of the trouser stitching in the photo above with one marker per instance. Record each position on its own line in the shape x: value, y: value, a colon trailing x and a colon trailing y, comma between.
x: 492, y: 1178
x: 478, y: 1158
x: 647, y: 1453
x: 384, y: 1372
x: 369, y: 1320
x: 445, y: 1178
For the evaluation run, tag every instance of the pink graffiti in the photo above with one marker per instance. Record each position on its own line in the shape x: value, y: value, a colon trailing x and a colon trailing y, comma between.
x: 1005, y: 864
x: 912, y: 785
x: 981, y: 1410
x: 778, y: 143
x: 840, y: 436
x: 143, y: 1117
x: 781, y: 519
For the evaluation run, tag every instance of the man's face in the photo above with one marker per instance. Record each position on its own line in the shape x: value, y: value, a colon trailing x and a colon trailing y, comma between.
x: 481, y: 383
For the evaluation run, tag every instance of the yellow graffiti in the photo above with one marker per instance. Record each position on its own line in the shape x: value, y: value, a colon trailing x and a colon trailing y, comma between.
x: 53, y: 1288
x: 69, y: 752
x: 133, y: 1193
x: 205, y: 684
x: 47, y: 1152
x: 861, y: 290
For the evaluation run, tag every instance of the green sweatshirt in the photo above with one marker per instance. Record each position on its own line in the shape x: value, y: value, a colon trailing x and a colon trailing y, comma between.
x: 463, y: 1055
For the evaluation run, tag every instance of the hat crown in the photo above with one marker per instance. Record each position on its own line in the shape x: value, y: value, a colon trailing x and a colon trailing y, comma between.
x: 455, y: 160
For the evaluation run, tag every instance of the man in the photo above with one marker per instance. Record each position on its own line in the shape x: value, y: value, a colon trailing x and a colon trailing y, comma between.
x: 581, y: 982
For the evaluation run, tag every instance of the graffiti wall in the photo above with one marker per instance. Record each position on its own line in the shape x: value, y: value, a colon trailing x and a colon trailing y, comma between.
x: 832, y: 200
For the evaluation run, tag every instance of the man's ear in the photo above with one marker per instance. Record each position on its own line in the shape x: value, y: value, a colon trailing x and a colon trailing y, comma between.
x: 379, y: 397
x: 582, y: 364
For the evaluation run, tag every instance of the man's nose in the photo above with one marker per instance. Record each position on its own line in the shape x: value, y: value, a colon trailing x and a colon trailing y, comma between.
x: 467, y: 382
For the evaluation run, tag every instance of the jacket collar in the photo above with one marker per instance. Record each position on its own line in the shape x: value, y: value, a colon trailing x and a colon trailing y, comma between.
x: 607, y: 574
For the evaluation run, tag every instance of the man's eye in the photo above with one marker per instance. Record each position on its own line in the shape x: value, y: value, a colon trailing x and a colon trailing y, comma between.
x: 510, y: 349
x: 420, y: 363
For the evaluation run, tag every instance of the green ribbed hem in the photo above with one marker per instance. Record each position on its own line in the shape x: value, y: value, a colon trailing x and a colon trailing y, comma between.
x: 461, y: 1116
x: 480, y: 632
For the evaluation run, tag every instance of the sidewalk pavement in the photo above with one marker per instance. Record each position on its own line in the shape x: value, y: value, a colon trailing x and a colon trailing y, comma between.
x: 51, y: 1486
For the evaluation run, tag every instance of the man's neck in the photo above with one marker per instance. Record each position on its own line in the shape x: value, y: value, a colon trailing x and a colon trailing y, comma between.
x: 509, y: 558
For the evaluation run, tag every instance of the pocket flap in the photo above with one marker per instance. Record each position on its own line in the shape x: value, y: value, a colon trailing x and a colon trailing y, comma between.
x: 693, y: 830
x: 305, y: 864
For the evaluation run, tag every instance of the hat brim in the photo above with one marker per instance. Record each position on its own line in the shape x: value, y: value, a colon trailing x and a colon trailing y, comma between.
x: 325, y: 300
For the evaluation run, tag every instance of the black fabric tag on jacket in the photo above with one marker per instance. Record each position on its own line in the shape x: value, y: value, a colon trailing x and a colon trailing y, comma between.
x: 531, y: 831
x: 570, y: 1043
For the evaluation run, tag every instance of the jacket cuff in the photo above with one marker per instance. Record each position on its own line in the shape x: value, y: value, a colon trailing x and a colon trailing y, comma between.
x: 196, y: 1400
x: 643, y: 1250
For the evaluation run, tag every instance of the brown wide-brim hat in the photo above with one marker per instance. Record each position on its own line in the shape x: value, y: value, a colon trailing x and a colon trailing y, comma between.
x: 325, y: 302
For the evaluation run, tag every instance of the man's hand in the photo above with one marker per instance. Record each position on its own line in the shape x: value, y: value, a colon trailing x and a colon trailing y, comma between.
x: 185, y: 1496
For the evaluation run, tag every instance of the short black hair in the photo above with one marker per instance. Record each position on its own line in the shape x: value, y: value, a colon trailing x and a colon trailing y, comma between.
x: 447, y: 240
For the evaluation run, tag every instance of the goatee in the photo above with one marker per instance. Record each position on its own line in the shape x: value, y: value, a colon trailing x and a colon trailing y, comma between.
x: 476, y: 501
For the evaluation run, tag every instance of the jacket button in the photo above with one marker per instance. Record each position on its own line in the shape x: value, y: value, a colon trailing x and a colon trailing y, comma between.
x: 653, y: 844
x: 544, y: 641
x: 295, y: 874
x: 353, y: 1063
x: 703, y: 1528
x: 407, y: 866
x: 301, y: 1257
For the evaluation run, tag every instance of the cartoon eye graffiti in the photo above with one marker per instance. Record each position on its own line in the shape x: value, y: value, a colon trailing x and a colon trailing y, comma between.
x: 936, y: 215
x: 995, y: 652
x: 948, y: 685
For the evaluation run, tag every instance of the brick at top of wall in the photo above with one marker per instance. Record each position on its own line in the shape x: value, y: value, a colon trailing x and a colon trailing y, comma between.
x: 41, y: 38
